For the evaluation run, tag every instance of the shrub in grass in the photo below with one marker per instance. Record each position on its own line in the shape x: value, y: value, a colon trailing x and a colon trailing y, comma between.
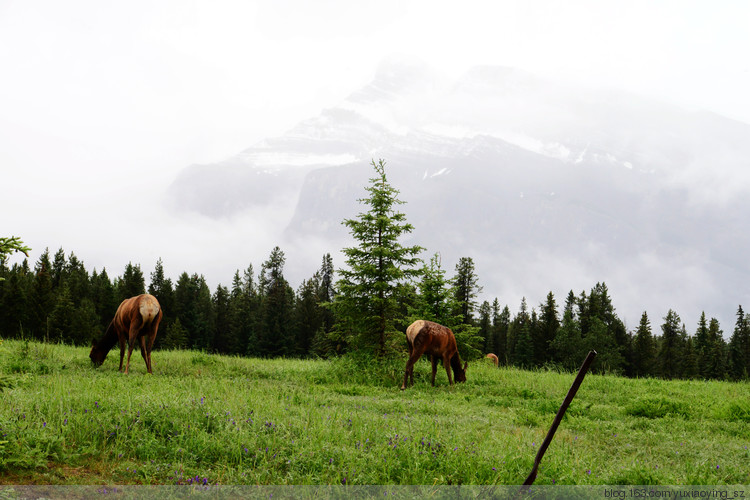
x: 736, y: 411
x: 655, y: 407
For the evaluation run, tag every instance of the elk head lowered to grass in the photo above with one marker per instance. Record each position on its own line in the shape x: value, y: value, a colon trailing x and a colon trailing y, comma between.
x: 437, y: 341
x: 136, y: 318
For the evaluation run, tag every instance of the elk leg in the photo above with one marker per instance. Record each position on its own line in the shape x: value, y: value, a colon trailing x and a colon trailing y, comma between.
x: 131, y: 344
x: 415, y: 355
x: 434, y: 360
x: 150, y: 347
x: 447, y: 365
x: 144, y: 353
x: 121, y: 340
x: 411, y: 370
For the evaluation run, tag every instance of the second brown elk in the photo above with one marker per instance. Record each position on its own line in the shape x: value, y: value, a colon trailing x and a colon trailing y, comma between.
x: 438, y: 342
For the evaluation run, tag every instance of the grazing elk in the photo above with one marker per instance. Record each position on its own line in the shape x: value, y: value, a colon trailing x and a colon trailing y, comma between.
x: 492, y: 357
x: 136, y: 318
x: 437, y: 341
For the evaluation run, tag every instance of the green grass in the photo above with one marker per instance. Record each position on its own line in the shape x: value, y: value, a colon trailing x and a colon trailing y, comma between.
x: 251, y: 421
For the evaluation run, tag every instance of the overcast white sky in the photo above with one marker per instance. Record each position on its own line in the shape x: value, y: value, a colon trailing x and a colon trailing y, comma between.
x: 101, y: 103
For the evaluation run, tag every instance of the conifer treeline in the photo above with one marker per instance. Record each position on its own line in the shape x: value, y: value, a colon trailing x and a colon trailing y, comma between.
x: 262, y: 315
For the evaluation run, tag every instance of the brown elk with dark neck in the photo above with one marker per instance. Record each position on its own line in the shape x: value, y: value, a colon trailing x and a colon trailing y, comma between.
x: 137, y: 318
x: 437, y: 341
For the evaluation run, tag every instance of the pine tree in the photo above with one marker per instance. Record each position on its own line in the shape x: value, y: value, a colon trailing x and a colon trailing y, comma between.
x: 602, y: 330
x: 601, y: 340
x: 436, y: 296
x: 308, y: 315
x: 670, y: 351
x: 524, y: 352
x: 9, y: 246
x: 567, y: 346
x: 645, y: 349
x: 701, y: 345
x: 716, y: 358
x: 466, y: 288
x: 176, y: 336
x: 85, y: 324
x: 132, y: 282
x: 546, y: 331
x: 77, y: 279
x: 62, y: 317
x: 521, y: 321
x: 367, y: 304
x: 194, y: 307
x: 243, y: 304
x: 689, y: 358
x: 485, y: 326
x: 500, y: 326
x: 221, y: 342
x: 12, y: 304
x: 58, y: 269
x: 161, y: 287
x: 42, y: 298
x: 739, y: 347
x: 275, y: 335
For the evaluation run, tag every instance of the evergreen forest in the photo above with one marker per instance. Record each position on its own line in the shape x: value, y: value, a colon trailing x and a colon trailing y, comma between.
x: 363, y: 308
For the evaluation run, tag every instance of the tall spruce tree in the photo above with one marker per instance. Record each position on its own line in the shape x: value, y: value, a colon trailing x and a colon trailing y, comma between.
x: 161, y: 287
x: 701, y: 345
x: 485, y: 326
x: 42, y: 297
x: 500, y: 326
x: 716, y: 358
x: 567, y: 346
x: 671, y: 348
x: 465, y: 284
x: 221, y: 341
x: 546, y: 330
x: 435, y: 299
x: 275, y: 336
x: 132, y: 282
x: 521, y: 325
x: 367, y: 301
x: 645, y: 349
x: 323, y: 344
x: 739, y: 347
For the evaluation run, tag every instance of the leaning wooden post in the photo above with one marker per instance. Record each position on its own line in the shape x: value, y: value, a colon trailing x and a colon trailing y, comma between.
x: 558, y: 418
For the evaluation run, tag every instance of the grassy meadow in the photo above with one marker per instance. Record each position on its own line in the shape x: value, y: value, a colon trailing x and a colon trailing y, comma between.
x: 222, y: 420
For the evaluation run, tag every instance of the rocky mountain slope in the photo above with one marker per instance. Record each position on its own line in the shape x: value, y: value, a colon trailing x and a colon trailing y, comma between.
x: 548, y: 186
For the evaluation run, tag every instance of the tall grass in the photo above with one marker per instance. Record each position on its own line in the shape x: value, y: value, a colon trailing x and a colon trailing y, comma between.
x: 227, y: 420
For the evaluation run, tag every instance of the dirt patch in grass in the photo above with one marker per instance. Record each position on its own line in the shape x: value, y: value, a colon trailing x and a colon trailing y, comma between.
x: 59, y: 474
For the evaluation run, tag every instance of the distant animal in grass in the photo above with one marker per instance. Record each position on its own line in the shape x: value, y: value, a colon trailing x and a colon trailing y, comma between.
x: 137, y: 319
x: 492, y: 358
x: 438, y: 342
